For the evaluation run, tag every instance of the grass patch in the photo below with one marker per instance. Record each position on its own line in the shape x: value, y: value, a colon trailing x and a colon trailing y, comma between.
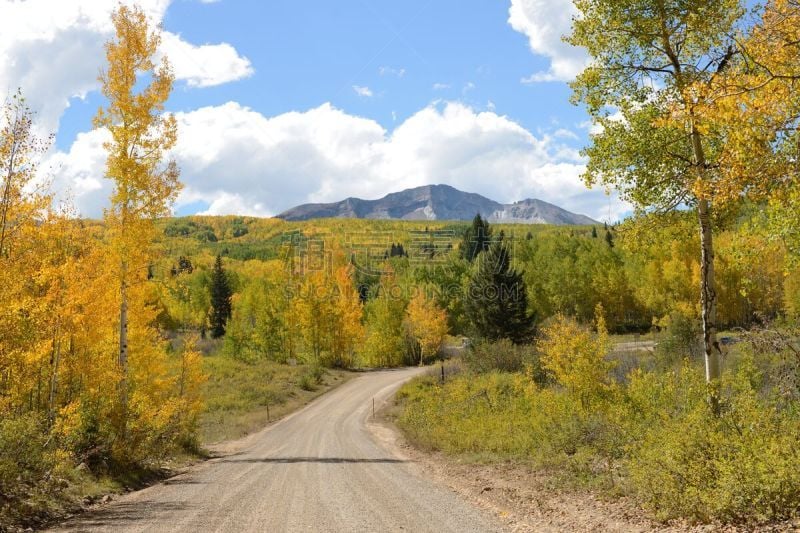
x: 239, y: 394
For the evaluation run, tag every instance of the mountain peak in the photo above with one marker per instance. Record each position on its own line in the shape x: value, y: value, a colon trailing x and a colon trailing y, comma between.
x: 438, y: 202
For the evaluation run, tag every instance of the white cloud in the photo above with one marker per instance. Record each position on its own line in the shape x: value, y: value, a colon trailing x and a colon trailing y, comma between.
x: 389, y: 71
x: 440, y: 86
x: 545, y: 22
x: 364, y: 92
x: 205, y: 65
x: 239, y: 161
x: 564, y: 133
x: 79, y: 174
x: 53, y: 51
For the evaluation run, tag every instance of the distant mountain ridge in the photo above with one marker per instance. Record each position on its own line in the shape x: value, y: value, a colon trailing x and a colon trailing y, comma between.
x: 439, y: 202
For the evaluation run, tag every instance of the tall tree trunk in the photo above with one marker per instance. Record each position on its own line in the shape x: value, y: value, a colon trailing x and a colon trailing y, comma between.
x: 123, y: 349
x: 5, y: 202
x: 54, y: 364
x: 708, y: 302
x: 708, y: 290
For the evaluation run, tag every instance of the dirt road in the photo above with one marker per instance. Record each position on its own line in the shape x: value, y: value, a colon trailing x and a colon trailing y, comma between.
x: 317, y: 470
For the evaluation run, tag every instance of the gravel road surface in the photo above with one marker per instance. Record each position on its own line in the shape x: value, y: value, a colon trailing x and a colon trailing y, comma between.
x: 318, y: 470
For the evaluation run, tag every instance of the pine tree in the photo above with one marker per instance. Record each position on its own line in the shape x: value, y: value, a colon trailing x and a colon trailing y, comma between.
x: 594, y: 232
x: 220, y: 299
x: 609, y: 239
x: 497, y: 301
x: 476, y: 239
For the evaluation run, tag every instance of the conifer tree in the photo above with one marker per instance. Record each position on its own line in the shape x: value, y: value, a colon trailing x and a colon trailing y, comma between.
x: 476, y: 239
x: 497, y: 301
x: 220, y: 299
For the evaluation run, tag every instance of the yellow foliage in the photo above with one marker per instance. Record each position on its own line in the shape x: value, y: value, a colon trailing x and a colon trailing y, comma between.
x: 576, y: 357
x: 426, y: 323
x: 328, y: 312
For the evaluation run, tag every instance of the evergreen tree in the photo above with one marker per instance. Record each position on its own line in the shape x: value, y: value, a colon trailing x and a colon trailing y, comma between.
x: 609, y: 239
x: 220, y: 299
x: 496, y: 300
x: 476, y: 239
x: 594, y: 232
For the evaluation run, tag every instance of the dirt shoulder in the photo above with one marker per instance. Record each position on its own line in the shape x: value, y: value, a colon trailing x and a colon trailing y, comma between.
x: 525, y: 500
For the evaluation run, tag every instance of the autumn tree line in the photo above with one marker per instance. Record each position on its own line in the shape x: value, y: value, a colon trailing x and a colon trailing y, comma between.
x: 644, y: 273
x: 86, y: 377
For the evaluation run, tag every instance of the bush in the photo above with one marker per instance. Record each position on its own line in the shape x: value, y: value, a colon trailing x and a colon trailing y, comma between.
x: 741, y: 466
x: 653, y: 437
x: 682, y: 338
x: 577, y: 358
x: 32, y: 471
x: 312, y: 378
x: 505, y: 356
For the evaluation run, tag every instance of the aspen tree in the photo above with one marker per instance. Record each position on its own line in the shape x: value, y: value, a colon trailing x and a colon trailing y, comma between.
x: 144, y: 185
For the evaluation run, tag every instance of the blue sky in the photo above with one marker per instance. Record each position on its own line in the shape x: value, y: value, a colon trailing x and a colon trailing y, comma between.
x: 282, y: 101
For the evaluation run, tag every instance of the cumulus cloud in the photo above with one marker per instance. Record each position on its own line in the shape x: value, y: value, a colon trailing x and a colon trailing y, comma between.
x: 205, y: 65
x: 545, y: 22
x: 71, y: 36
x: 236, y: 160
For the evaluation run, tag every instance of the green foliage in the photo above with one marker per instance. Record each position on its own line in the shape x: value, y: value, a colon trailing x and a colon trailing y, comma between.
x: 25, y: 462
x: 385, y: 344
x: 310, y: 380
x: 505, y: 356
x: 477, y: 239
x: 189, y: 228
x: 681, y: 338
x: 259, y: 326
x: 448, y: 279
x: 497, y: 300
x: 740, y: 466
x: 220, y: 300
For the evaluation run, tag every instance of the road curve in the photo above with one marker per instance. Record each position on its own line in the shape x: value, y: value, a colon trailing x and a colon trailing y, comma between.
x: 318, y: 470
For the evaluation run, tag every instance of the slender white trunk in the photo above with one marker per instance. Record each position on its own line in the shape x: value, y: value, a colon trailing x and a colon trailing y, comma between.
x: 51, y: 403
x: 708, y: 299
x: 708, y: 291
x: 123, y: 347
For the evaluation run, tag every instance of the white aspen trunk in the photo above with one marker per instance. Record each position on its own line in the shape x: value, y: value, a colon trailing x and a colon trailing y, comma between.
x: 708, y: 291
x: 51, y: 400
x: 708, y: 299
x: 123, y: 348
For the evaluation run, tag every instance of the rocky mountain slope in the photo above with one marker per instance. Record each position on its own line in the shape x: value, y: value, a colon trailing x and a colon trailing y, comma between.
x: 439, y: 202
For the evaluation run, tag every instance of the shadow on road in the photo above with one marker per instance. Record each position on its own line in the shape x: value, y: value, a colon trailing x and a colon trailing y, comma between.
x: 124, y: 514
x: 328, y: 460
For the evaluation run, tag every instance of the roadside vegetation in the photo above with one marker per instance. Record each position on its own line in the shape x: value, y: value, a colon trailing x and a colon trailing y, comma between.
x: 650, y: 434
